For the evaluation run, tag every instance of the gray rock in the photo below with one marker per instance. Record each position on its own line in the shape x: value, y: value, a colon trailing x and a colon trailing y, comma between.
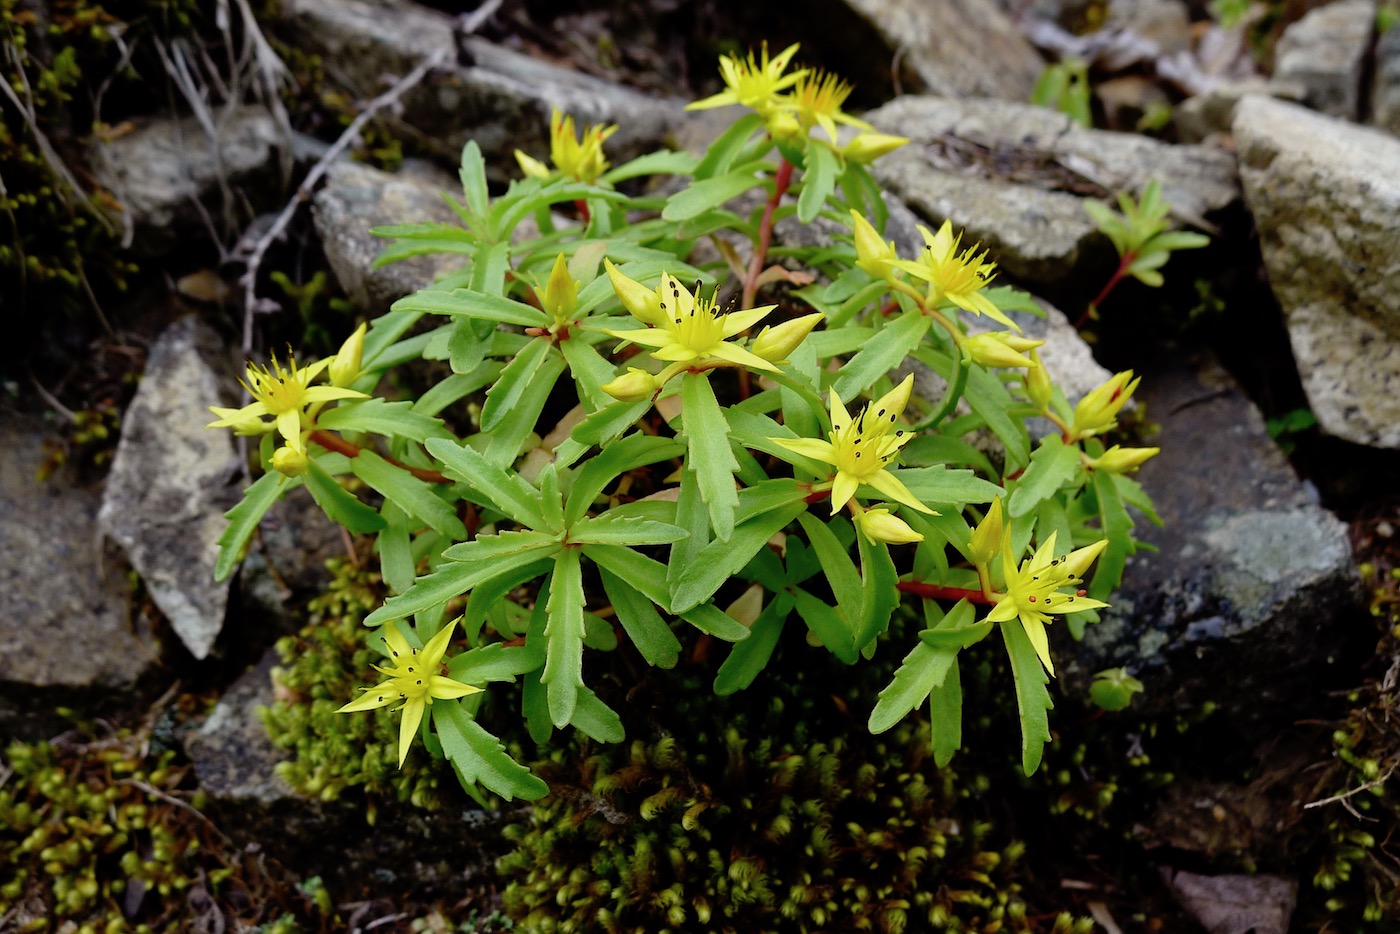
x: 167, y: 492
x: 1244, y: 600
x: 1236, y: 904
x: 1325, y: 53
x: 1212, y: 112
x: 235, y: 763
x: 356, y: 198
x: 500, y: 98
x: 1165, y: 23
x: 165, y: 169
x: 1012, y: 175
x: 1385, y: 83
x: 1325, y: 195
x: 68, y: 632
x: 962, y: 48
x: 287, y: 563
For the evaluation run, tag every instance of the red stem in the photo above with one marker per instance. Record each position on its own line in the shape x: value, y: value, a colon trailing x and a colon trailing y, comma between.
x: 338, y: 444
x: 1113, y: 280
x: 939, y: 592
x: 583, y: 212
x: 765, y: 233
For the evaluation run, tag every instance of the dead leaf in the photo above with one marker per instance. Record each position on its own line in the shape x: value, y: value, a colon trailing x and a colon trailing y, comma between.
x: 1236, y: 904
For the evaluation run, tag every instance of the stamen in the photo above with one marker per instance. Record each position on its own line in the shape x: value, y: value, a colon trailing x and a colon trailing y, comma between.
x: 1031, y: 598
x: 1081, y: 593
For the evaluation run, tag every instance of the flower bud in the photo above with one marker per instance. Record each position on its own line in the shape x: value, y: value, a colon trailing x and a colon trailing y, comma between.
x: 642, y: 303
x: 532, y: 167
x: 289, y: 460
x: 867, y: 147
x: 999, y: 349
x: 345, y: 367
x: 879, y: 525
x: 873, y: 253
x: 1037, y: 385
x: 774, y: 344
x: 239, y: 421
x: 560, y: 292
x: 1098, y: 411
x: 783, y: 125
x: 633, y: 386
x: 1124, y: 460
x: 986, y: 538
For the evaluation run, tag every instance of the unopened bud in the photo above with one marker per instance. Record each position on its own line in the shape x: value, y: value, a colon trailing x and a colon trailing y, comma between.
x: 873, y: 253
x: 868, y: 146
x: 986, y: 538
x: 560, y: 292
x: 1076, y: 563
x: 641, y: 302
x: 632, y: 386
x: 1000, y: 349
x: 775, y: 344
x: 879, y: 525
x: 241, y: 423
x: 345, y: 368
x: 1038, y: 386
x: 289, y: 460
x: 1124, y: 460
x: 532, y: 167
x: 1098, y: 411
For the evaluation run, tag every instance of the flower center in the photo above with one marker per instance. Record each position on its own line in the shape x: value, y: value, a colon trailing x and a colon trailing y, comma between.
x: 280, y: 390
x: 864, y: 446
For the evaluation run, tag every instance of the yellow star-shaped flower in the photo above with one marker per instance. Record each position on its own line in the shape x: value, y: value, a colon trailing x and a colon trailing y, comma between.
x: 1035, y: 589
x: 816, y: 99
x: 414, y: 679
x: 686, y: 326
x: 283, y: 394
x: 754, y: 83
x: 958, y: 277
x: 578, y: 157
x: 861, y: 448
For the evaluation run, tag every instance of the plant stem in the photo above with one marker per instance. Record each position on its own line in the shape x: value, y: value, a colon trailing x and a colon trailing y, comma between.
x: 1117, y: 277
x: 939, y: 592
x: 950, y: 397
x: 333, y: 442
x: 781, y: 180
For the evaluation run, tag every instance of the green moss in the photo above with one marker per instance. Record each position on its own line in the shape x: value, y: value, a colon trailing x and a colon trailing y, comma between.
x: 103, y: 837
x: 322, y: 668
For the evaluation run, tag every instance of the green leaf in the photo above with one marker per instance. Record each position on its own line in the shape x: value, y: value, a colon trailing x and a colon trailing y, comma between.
x: 595, y: 719
x: 479, y: 757
x: 610, y: 463
x: 939, y: 484
x: 643, y: 625
x: 494, y: 662
x: 342, y: 506
x: 391, y: 419
x: 945, y: 716
x: 827, y: 623
x: 882, y: 353
x: 750, y: 656
x: 990, y: 401
x: 720, y: 154
x: 455, y: 578
x: 818, y: 179
x: 509, y: 437
x: 396, y: 562
x: 490, y: 267
x: 878, y: 594
x: 489, y: 548
x: 955, y: 639
x: 413, y: 496
x: 662, y: 162
x: 922, y: 670
x: 929, y: 450
x: 563, y: 667
x: 608, y: 529
x: 534, y: 704
x: 466, y: 345
x: 1032, y: 698
x: 836, y: 563
x: 692, y: 516
x: 1135, y: 496
x: 1052, y: 466
x: 473, y: 176
x: 589, y: 370
x: 498, y: 488
x: 1117, y: 526
x: 708, y: 453
x: 480, y: 306
x: 713, y: 621
x: 514, y: 380
x: 486, y: 595
x: 710, y: 193
x: 606, y: 424
x: 719, y: 561
x: 648, y: 577
x: 243, y: 519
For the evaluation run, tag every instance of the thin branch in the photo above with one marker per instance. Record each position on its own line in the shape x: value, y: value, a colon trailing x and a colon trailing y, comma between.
x: 1355, y: 791
x: 308, y: 184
